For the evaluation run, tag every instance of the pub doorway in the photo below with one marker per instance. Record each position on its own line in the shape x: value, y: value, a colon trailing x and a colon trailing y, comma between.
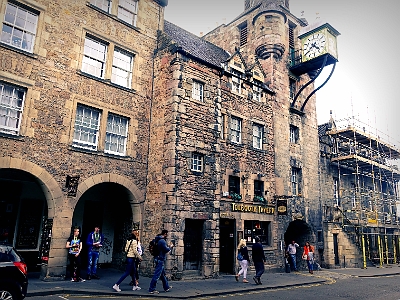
x: 193, y: 244
x: 227, y: 247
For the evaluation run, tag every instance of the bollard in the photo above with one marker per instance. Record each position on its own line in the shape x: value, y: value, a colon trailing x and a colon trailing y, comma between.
x: 363, y: 251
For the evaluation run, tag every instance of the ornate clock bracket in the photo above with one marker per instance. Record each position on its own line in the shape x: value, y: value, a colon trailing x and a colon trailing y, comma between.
x: 310, y: 82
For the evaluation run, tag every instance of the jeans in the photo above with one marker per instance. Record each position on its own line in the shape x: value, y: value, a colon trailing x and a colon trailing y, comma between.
x: 310, y: 264
x: 93, y: 258
x: 75, y: 265
x: 243, y: 264
x: 129, y: 269
x: 293, y: 264
x: 159, y: 272
x: 259, y: 265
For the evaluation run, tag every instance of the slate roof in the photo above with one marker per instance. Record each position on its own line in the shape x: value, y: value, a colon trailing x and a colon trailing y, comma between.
x: 196, y: 46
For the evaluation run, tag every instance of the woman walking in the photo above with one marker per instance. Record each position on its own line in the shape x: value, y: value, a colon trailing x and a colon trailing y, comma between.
x: 131, y: 254
x: 244, y: 263
x: 308, y: 254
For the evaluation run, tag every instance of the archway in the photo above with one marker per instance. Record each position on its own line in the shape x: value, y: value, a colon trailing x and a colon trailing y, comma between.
x: 300, y: 232
x: 111, y: 206
x: 23, y: 209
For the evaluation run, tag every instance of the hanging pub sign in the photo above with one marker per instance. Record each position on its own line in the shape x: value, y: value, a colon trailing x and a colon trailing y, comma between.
x: 281, y: 207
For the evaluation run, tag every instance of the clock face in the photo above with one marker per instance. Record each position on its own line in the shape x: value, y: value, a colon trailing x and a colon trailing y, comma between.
x: 314, y: 45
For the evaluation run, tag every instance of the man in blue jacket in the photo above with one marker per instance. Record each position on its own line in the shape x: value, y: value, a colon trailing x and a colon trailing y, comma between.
x: 258, y: 259
x: 94, y: 241
x: 159, y: 271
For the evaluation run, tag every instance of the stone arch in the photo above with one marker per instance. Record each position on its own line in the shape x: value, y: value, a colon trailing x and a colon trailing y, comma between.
x: 49, y: 185
x: 136, y: 196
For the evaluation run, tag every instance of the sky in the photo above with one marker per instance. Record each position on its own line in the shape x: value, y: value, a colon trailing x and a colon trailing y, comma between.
x: 364, y: 83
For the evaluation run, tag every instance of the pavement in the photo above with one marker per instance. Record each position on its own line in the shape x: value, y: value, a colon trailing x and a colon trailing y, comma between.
x: 193, y: 288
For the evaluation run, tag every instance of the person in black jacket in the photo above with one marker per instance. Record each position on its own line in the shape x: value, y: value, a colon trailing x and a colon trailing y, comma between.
x: 259, y: 259
x: 244, y: 263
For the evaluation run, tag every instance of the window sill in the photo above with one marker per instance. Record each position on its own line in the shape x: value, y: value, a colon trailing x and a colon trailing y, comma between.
x: 106, y: 81
x: 197, y: 173
x: 99, y: 153
x: 19, y: 51
x: 113, y: 17
x: 12, y: 136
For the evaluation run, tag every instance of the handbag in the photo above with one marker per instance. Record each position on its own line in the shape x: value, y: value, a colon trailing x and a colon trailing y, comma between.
x: 304, y: 257
x: 239, y: 256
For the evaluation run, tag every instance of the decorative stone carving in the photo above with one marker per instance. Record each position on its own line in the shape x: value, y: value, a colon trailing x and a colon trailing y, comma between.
x: 266, y: 50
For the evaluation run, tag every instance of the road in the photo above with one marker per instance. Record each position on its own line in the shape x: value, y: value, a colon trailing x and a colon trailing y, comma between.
x: 372, y: 288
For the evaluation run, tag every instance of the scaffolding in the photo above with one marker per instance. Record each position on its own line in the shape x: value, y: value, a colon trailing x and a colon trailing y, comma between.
x: 366, y: 194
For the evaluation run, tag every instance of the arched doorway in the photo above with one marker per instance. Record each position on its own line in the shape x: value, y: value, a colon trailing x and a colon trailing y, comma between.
x: 23, y: 209
x: 300, y: 232
x: 108, y: 205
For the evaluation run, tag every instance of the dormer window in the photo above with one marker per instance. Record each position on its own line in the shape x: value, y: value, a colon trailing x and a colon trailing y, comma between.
x: 236, y: 81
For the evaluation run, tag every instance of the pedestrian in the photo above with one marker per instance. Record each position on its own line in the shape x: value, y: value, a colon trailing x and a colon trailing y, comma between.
x: 131, y: 254
x: 244, y: 263
x: 258, y: 259
x: 159, y: 271
x: 308, y: 254
x: 94, y: 241
x: 74, y: 246
x: 292, y: 250
x: 135, y: 276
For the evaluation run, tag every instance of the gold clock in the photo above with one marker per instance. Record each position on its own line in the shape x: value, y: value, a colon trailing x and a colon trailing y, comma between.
x: 317, y: 41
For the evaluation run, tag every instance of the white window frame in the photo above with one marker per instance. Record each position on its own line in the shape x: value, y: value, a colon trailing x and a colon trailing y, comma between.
x: 258, y: 132
x: 257, y: 90
x: 125, y: 8
x: 95, y: 52
x: 236, y: 130
x: 336, y: 191
x: 19, y: 30
x: 295, y: 181
x: 11, y: 108
x: 121, y: 73
x: 236, y: 81
x: 83, y: 127
x: 197, y: 162
x: 198, y: 90
x: 293, y: 134
x: 104, y: 5
x: 117, y: 129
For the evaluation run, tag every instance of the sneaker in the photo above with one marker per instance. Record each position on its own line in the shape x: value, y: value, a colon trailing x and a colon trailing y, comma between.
x: 116, y: 287
x: 74, y: 279
x: 154, y: 292
x: 255, y: 279
x: 168, y: 289
x: 136, y: 288
x: 245, y: 281
x: 94, y: 276
x: 81, y: 280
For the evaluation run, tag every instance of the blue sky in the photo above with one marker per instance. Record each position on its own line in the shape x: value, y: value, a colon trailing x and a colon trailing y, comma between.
x: 364, y: 83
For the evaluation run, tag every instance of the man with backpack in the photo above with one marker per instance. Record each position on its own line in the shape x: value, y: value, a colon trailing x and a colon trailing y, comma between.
x: 158, y: 248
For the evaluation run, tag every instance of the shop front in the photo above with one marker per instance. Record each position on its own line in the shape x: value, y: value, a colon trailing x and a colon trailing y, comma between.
x: 244, y: 221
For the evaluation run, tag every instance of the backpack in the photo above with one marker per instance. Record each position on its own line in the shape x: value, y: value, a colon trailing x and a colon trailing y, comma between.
x: 153, y: 247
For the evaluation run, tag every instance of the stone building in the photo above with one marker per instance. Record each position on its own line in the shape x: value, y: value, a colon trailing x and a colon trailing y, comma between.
x: 111, y: 115
x: 359, y: 186
x: 76, y: 82
x: 228, y: 146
